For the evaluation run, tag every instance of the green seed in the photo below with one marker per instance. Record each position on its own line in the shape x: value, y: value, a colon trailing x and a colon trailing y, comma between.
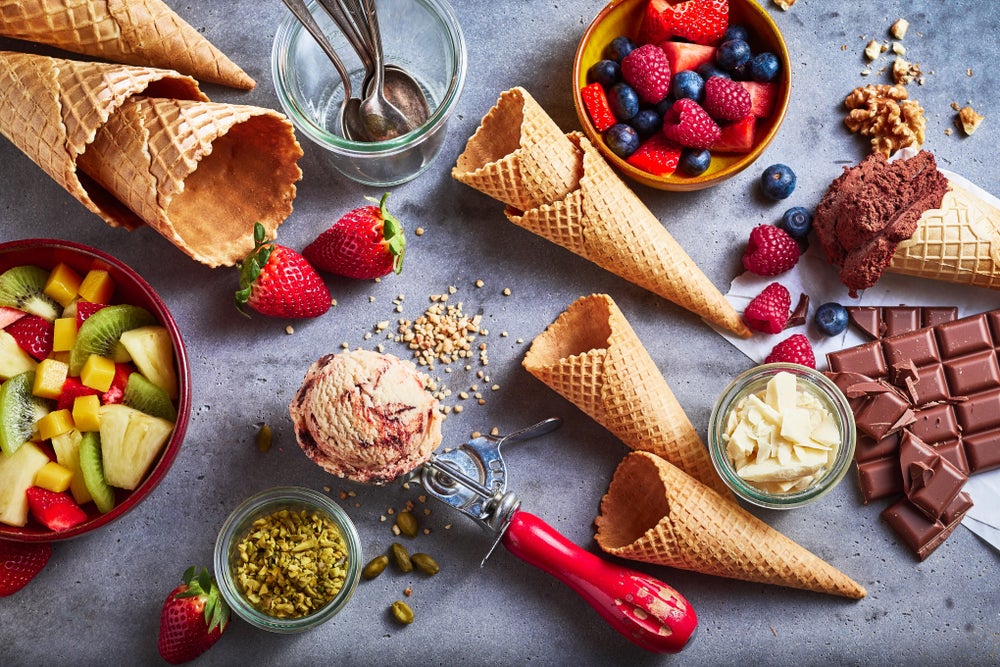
x: 375, y: 567
x: 402, y: 557
x: 407, y: 523
x: 402, y: 612
x: 264, y: 437
x: 425, y: 563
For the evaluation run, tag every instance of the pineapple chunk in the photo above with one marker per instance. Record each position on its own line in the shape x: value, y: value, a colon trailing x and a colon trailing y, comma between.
x: 98, y: 372
x: 86, y: 412
x: 153, y: 353
x: 63, y: 284
x: 17, y: 474
x: 130, y: 442
x: 13, y: 360
x: 67, y: 449
x: 63, y: 334
x: 54, y: 423
x: 54, y: 477
x: 50, y: 375
x: 97, y: 286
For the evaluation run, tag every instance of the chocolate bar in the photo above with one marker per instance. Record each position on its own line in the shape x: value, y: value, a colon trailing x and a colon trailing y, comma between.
x: 886, y: 321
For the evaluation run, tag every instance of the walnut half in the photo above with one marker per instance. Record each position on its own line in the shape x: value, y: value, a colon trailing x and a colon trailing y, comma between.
x: 886, y: 116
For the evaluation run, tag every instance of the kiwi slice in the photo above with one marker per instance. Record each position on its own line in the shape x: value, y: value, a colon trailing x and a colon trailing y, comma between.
x: 23, y: 287
x: 100, y: 332
x: 19, y: 410
x: 147, y: 397
x: 92, y: 468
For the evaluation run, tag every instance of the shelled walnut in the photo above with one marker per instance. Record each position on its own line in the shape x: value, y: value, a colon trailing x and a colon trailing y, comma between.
x: 887, y: 116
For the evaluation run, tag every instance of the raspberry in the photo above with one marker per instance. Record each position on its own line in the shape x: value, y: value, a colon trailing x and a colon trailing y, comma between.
x: 793, y: 350
x: 726, y: 100
x: 768, y: 311
x: 770, y: 251
x: 687, y: 124
x: 647, y: 70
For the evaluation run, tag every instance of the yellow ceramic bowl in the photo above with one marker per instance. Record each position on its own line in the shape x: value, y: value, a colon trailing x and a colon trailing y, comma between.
x: 622, y: 17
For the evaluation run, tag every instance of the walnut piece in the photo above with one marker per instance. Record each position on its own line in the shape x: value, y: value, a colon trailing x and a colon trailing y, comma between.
x: 887, y: 116
x: 874, y: 50
x: 904, y: 72
x: 784, y: 4
x: 898, y: 29
x: 969, y: 120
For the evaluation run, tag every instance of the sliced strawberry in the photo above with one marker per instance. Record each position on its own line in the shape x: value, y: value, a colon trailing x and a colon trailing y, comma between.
x: 698, y: 21
x: 55, y: 511
x: 85, y: 309
x: 33, y: 334
x: 116, y: 392
x: 595, y: 100
x: 72, y: 388
x: 737, y: 137
x: 9, y: 315
x: 657, y: 155
x: 20, y: 562
x: 686, y: 56
x: 762, y: 97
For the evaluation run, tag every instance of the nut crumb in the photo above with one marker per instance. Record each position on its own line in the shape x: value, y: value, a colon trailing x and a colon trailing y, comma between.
x: 904, y: 72
x: 419, y: 231
x: 968, y: 72
x: 408, y: 591
x: 784, y: 5
x: 969, y: 120
x: 289, y: 329
x: 874, y: 50
x: 899, y: 28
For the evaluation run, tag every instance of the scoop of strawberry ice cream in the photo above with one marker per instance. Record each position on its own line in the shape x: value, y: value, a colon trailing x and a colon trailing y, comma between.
x: 366, y: 416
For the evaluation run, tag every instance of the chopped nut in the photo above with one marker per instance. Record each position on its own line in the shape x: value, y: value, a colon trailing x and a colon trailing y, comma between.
x: 898, y: 49
x: 289, y: 329
x: 419, y: 231
x: 899, y: 28
x: 874, y: 50
x: 885, y: 115
x: 969, y: 120
x: 784, y: 5
x: 903, y: 72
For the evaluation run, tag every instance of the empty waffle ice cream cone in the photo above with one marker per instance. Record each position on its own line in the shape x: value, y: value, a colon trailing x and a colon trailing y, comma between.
x: 136, y: 32
x: 592, y: 357
x: 142, y: 145
x: 655, y: 513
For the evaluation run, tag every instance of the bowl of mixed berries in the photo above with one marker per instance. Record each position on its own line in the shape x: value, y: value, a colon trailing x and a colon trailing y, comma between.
x: 95, y: 392
x: 681, y: 95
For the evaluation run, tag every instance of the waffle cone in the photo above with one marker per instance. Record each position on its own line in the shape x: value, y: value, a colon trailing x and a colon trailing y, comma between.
x: 958, y: 242
x: 592, y: 357
x: 604, y: 221
x: 655, y: 513
x: 134, y: 32
x: 518, y: 155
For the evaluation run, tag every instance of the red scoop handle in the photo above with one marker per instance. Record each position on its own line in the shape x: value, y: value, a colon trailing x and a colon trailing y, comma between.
x: 643, y: 609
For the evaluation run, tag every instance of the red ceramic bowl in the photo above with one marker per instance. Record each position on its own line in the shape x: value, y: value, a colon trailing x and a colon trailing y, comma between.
x: 132, y: 289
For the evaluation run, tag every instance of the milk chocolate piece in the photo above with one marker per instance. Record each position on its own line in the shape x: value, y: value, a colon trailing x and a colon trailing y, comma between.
x: 868, y: 448
x: 879, y: 478
x: 800, y: 315
x: 885, y: 321
x: 929, y: 480
x: 920, y: 534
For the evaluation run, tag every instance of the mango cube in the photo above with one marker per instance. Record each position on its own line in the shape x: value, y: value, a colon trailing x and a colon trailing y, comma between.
x: 86, y: 412
x: 63, y: 284
x: 55, y: 423
x: 63, y: 334
x: 97, y: 286
x: 54, y: 477
x: 50, y: 375
x: 98, y: 372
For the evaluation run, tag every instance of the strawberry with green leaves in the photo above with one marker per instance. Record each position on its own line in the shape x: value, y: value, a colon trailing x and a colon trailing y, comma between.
x: 277, y: 281
x: 20, y: 562
x: 366, y: 243
x: 193, y: 618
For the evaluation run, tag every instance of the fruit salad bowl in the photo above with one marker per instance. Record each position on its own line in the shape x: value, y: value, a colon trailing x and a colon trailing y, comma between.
x: 741, y: 144
x: 123, y: 287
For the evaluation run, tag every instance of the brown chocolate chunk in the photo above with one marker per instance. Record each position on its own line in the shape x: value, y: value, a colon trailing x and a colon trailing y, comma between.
x: 920, y: 534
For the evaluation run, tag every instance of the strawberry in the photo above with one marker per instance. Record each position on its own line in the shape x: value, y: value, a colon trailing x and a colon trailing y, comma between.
x: 55, y: 511
x: 768, y: 311
x: 698, y: 21
x: 647, y: 70
x: 770, y: 251
x: 725, y: 99
x: 20, y: 562
x: 9, y: 315
x: 687, y: 124
x: 793, y: 350
x: 116, y: 392
x: 657, y: 155
x: 596, y: 102
x: 193, y: 618
x: 365, y: 243
x: 72, y: 388
x: 33, y: 334
x: 277, y: 281
x: 85, y: 309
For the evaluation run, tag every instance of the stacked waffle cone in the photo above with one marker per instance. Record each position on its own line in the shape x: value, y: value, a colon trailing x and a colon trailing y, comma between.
x: 134, y: 32
x: 655, y: 513
x: 141, y: 145
x: 559, y: 187
x: 592, y: 357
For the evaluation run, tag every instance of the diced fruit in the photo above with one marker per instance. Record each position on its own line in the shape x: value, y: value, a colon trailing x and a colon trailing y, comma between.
x: 97, y: 286
x: 646, y: 69
x: 86, y: 413
x: 71, y: 389
x: 92, y: 468
x: 63, y: 284
x: 55, y: 423
x: 689, y: 125
x: 54, y: 476
x: 13, y: 360
x: 737, y: 137
x: 23, y: 287
x: 55, y: 511
x: 17, y: 475
x: 84, y: 309
x: 130, y: 442
x: 657, y: 155
x: 98, y: 372
x: 19, y: 411
x: 152, y: 351
x: 596, y: 103
x: 67, y: 449
x: 116, y: 392
x: 33, y: 334
x: 100, y: 333
x: 22, y: 561
x: 63, y: 334
x: 9, y: 315
x: 762, y: 97
x: 50, y: 376
x: 143, y: 395
x: 698, y: 21
x: 686, y: 56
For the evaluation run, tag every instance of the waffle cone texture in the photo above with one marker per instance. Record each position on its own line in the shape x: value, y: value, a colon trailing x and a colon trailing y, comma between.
x: 958, y: 242
x: 139, y: 145
x: 134, y: 32
x: 559, y: 187
x: 592, y: 357
x: 655, y: 513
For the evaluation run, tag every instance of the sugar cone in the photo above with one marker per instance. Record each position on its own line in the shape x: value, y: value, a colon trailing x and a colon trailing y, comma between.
x: 604, y: 221
x: 518, y: 155
x: 655, y: 513
x: 592, y: 357
x: 958, y: 242
x: 134, y: 32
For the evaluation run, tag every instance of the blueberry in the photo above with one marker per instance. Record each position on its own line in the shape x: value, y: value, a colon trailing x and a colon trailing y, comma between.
x: 695, y: 161
x: 831, y: 319
x: 623, y: 100
x: 688, y: 84
x: 622, y: 139
x: 777, y: 182
x: 707, y: 70
x: 797, y: 221
x: 664, y: 105
x: 764, y: 67
x: 605, y: 72
x: 732, y: 54
x: 646, y: 123
x: 619, y: 48
x: 736, y: 32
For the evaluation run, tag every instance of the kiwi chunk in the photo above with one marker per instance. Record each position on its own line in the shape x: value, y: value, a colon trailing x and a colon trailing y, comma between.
x: 100, y: 332
x: 92, y: 467
x: 145, y: 396
x: 23, y: 287
x: 19, y: 410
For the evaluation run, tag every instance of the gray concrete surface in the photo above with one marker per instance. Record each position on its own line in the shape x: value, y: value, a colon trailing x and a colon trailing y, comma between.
x: 98, y: 601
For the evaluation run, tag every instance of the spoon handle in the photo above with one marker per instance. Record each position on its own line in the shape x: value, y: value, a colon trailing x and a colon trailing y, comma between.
x: 305, y: 17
